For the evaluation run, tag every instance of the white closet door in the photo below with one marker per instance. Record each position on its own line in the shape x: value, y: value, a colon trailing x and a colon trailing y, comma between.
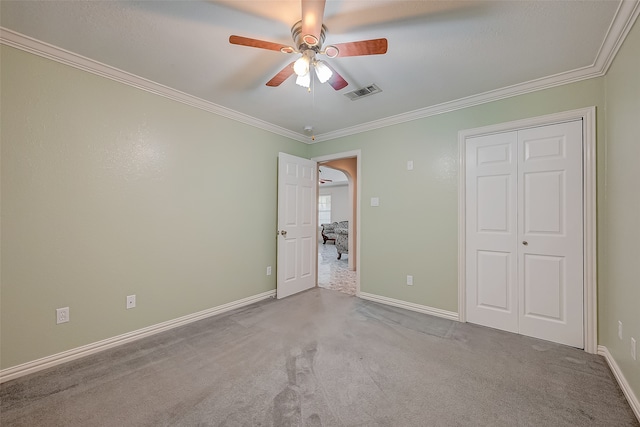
x: 524, y: 232
x: 491, y: 224
x: 550, y: 233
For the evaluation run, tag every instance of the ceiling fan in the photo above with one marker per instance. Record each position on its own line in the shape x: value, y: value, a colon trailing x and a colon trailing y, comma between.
x: 322, y: 180
x: 308, y: 36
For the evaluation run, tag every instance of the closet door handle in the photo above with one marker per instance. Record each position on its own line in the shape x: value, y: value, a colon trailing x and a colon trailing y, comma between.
x: 525, y: 243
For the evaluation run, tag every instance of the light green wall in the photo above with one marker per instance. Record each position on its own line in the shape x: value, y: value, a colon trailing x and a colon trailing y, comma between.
x: 109, y: 191
x: 620, y: 281
x: 414, y: 231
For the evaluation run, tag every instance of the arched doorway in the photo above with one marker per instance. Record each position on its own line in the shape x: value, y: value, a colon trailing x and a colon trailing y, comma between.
x: 333, y: 273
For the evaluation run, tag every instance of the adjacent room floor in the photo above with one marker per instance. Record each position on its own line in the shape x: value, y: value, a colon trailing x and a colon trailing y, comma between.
x: 334, y: 273
x: 323, y: 358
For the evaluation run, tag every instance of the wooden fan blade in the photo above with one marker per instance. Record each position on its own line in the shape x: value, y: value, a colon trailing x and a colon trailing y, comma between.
x: 260, y: 44
x: 312, y: 13
x: 336, y: 80
x: 283, y: 75
x: 364, y: 47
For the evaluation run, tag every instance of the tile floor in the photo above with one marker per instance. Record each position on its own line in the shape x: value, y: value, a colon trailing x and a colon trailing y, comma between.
x: 334, y: 273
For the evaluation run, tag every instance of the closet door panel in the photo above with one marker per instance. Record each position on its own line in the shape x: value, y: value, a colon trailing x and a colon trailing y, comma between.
x: 491, y: 225
x: 544, y: 287
x: 524, y: 232
x: 550, y: 275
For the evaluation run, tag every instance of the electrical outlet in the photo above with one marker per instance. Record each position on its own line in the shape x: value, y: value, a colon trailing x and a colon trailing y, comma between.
x: 131, y: 301
x: 62, y: 315
x: 269, y: 271
x: 619, y: 329
x: 410, y: 280
x: 633, y: 348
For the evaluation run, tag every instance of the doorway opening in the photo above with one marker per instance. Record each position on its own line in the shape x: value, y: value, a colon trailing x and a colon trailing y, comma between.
x: 338, y: 207
x: 335, y: 209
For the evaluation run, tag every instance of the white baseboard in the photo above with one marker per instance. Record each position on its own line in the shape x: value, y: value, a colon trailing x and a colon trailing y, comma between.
x: 622, y: 381
x: 410, y: 306
x: 85, y: 350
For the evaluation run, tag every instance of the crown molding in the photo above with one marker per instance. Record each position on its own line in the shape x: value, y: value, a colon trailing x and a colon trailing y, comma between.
x: 623, y: 21
x: 470, y: 101
x: 45, y: 50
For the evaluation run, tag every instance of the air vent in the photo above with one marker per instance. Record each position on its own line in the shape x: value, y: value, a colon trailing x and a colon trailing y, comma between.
x: 361, y: 93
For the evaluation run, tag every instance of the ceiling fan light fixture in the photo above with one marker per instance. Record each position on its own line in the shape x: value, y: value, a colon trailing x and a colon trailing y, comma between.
x: 323, y: 72
x: 301, y: 66
x: 304, y: 80
x: 287, y: 49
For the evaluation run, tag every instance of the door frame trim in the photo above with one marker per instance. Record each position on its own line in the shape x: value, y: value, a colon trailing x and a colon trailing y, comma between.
x: 588, y: 117
x: 358, y: 155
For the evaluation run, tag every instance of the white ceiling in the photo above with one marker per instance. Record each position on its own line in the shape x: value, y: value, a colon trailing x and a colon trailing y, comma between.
x: 441, y: 54
x: 337, y: 177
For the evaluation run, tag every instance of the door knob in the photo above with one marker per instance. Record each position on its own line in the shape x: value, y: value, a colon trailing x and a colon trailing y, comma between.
x: 284, y: 233
x: 525, y: 243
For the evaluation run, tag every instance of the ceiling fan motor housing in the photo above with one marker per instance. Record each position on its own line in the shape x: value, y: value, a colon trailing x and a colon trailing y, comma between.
x: 299, y: 38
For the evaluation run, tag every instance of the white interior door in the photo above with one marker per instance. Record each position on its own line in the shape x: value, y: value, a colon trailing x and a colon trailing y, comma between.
x: 524, y: 227
x: 297, y: 187
x: 492, y: 264
x: 550, y: 233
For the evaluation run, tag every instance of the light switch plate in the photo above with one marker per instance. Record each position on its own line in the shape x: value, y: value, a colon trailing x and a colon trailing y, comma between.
x: 375, y: 201
x: 409, y: 165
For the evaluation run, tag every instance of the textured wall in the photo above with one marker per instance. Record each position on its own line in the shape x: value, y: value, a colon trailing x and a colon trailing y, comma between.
x: 109, y: 191
x: 414, y: 231
x: 620, y: 281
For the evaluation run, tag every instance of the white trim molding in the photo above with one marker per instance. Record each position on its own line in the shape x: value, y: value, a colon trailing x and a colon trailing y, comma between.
x: 623, y: 21
x: 622, y: 381
x: 46, y: 50
x: 410, y: 306
x: 86, y: 350
x: 588, y: 117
